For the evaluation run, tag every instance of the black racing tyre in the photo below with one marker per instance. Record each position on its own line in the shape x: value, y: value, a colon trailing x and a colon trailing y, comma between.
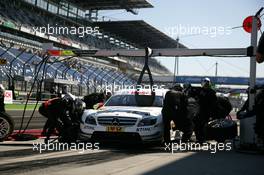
x: 6, y: 126
x: 221, y: 130
x: 69, y: 134
x: 224, y: 107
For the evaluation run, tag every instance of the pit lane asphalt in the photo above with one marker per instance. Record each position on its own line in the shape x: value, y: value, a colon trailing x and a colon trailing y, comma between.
x: 19, y: 158
x: 37, y: 121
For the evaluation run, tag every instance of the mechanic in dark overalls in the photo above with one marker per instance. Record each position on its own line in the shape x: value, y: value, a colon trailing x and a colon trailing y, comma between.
x: 260, y: 50
x: 208, y: 108
x: 175, y: 109
x: 59, y: 112
x: 259, y: 101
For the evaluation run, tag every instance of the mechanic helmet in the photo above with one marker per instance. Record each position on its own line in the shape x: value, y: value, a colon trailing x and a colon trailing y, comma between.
x: 187, y: 85
x: 177, y: 87
x: 2, y: 90
x: 206, y: 82
x: 68, y: 100
x: 79, y: 105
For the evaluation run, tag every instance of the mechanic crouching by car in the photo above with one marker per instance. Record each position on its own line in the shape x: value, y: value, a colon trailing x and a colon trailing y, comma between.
x: 63, y: 115
x: 175, y: 109
x: 208, y: 108
x: 94, y: 100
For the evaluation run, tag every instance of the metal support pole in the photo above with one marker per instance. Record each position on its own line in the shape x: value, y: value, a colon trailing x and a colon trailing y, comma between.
x: 252, y: 83
x: 216, y: 69
x: 176, y: 61
x: 247, y: 132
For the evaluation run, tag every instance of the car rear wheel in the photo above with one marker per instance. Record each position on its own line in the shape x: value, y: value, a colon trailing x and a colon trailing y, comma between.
x: 6, y: 126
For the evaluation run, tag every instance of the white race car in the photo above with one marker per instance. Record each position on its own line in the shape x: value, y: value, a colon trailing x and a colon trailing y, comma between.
x: 121, y: 119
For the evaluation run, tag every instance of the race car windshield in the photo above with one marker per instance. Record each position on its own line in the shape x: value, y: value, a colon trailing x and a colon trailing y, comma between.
x: 129, y: 100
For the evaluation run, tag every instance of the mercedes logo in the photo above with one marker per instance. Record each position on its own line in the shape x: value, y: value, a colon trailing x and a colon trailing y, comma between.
x: 115, y: 121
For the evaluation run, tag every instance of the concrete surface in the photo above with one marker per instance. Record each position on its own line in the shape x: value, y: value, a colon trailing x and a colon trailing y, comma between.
x: 37, y: 121
x: 20, y: 159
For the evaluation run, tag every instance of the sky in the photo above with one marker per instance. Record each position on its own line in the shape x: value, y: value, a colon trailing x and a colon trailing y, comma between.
x: 175, y: 17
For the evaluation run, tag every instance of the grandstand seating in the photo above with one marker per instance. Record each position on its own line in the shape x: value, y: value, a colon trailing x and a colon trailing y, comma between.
x: 25, y: 65
x: 23, y: 17
x: 17, y: 15
x: 153, y: 64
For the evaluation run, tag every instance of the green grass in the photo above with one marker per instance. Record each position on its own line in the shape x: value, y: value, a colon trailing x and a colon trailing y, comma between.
x: 20, y: 106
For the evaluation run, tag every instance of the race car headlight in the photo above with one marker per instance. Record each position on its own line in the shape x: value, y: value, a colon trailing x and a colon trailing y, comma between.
x: 147, y: 122
x: 90, y: 120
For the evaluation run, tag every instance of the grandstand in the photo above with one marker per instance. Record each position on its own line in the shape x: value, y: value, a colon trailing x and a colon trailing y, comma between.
x: 22, y: 42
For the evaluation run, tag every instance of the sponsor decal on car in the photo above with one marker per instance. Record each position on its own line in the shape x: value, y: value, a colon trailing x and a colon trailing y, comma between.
x: 144, y: 129
x: 114, y: 129
x: 88, y: 127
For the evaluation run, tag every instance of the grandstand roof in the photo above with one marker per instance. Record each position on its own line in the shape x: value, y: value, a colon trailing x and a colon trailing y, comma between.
x: 138, y: 33
x: 111, y: 4
x: 216, y: 80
